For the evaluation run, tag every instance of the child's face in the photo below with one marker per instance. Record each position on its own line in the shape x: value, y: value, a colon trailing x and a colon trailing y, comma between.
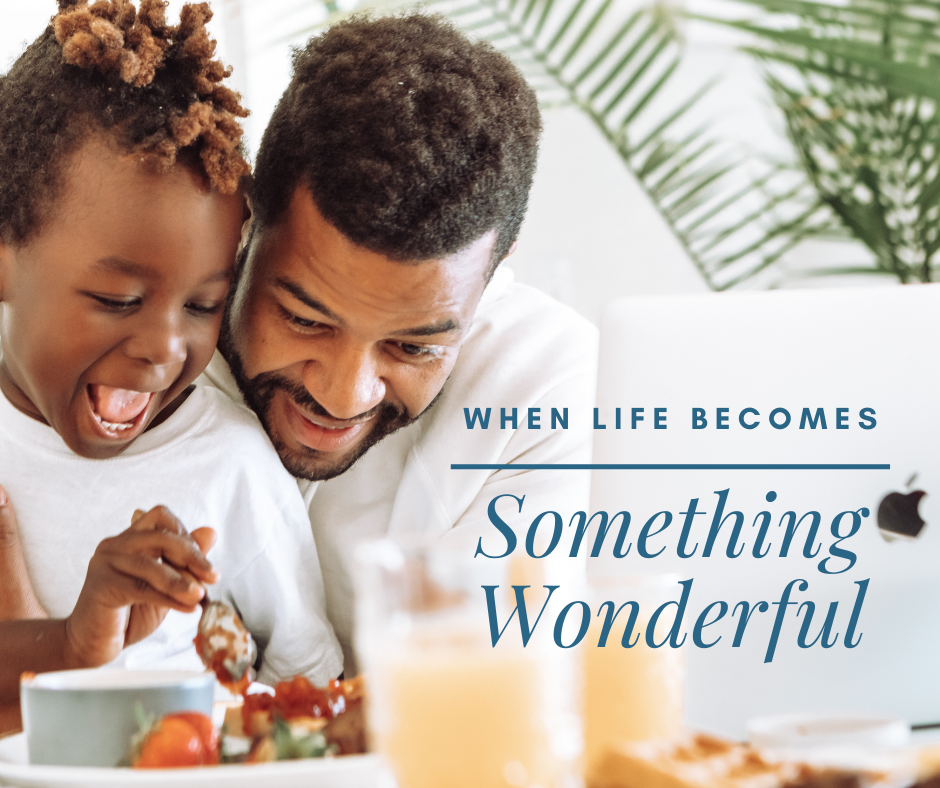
x: 114, y: 308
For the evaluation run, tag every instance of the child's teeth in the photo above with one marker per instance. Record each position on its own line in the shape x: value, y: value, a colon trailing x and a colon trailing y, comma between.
x: 109, y: 426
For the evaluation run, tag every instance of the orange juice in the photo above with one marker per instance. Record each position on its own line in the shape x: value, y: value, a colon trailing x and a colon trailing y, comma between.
x: 629, y: 693
x: 462, y: 718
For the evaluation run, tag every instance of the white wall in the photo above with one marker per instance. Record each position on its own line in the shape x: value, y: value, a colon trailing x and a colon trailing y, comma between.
x: 22, y: 22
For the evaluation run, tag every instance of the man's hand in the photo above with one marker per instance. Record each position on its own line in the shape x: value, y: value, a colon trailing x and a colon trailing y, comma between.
x: 134, y: 579
x: 17, y: 598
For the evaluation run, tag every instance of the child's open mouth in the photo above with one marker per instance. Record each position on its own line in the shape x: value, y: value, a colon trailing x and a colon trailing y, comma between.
x: 117, y: 411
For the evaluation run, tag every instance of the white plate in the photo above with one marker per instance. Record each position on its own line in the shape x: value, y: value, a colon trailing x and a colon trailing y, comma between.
x: 807, y: 731
x: 350, y: 771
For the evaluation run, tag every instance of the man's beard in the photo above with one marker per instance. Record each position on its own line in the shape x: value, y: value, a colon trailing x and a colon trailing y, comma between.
x: 304, y: 462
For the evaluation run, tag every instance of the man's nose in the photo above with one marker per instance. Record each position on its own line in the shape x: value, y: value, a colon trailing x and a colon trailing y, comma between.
x: 158, y: 340
x: 347, y: 385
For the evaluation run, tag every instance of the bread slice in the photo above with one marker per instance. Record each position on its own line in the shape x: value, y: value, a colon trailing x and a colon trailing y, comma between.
x: 928, y: 767
x: 702, y: 761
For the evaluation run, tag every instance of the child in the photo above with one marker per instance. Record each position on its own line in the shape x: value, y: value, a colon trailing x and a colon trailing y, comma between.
x: 120, y: 214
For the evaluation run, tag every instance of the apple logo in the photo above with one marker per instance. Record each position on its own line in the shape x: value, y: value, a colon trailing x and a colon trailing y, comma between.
x: 898, y: 515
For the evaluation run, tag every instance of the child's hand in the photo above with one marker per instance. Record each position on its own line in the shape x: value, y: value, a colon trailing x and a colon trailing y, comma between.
x: 134, y: 579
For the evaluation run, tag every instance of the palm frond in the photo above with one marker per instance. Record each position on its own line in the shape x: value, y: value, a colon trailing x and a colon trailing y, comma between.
x: 617, y: 70
x: 857, y: 85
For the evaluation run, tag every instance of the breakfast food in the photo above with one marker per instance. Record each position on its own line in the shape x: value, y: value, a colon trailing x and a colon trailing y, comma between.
x: 225, y: 646
x: 182, y: 739
x: 701, y: 761
x: 928, y: 768
x: 334, y: 711
x: 300, y: 720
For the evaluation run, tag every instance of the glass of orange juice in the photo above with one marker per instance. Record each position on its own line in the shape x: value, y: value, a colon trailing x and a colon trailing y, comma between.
x: 446, y: 707
x: 631, y: 693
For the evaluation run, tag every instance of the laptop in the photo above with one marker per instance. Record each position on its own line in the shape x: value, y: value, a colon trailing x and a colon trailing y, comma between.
x: 784, y: 404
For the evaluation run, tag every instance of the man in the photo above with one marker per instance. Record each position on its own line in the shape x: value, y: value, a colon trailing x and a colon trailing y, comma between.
x: 371, y: 317
x: 371, y: 312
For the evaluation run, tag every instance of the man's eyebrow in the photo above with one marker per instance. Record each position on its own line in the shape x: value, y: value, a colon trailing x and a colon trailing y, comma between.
x: 444, y: 327
x: 305, y: 298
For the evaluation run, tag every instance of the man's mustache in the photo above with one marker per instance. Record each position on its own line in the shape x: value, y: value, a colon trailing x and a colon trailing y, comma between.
x: 265, y: 384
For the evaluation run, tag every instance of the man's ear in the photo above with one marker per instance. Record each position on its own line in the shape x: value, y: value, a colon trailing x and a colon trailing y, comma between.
x: 6, y: 254
x: 241, y: 254
x: 246, y: 225
x: 511, y: 249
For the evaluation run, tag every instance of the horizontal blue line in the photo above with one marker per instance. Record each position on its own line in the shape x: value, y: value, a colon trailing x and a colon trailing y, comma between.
x: 670, y: 467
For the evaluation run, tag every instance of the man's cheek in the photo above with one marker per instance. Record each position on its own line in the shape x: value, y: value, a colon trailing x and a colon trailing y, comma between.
x: 430, y: 389
x: 277, y: 353
x: 257, y: 346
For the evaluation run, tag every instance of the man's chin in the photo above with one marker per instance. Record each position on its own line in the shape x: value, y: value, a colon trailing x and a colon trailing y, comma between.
x: 317, y: 466
x: 305, y: 462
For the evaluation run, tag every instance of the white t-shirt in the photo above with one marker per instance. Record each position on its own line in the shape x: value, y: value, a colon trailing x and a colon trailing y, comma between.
x: 524, y: 350
x: 212, y: 465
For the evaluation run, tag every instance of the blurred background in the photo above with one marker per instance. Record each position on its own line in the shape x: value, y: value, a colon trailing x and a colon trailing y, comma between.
x: 689, y: 146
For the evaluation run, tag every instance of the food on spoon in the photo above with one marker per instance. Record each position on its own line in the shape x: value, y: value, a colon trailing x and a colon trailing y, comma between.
x: 222, y: 642
x: 183, y: 739
x: 225, y: 646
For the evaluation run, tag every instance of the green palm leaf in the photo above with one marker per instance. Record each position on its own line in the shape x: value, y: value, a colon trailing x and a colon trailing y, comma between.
x: 616, y: 72
x: 858, y: 88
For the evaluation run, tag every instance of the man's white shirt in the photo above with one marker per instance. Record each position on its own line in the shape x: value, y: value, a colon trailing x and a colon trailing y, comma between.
x: 524, y: 350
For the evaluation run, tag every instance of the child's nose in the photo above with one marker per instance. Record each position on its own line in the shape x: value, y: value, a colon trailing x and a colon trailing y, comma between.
x: 159, y: 341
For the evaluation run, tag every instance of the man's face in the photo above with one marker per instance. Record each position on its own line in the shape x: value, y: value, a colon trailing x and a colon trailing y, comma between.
x: 334, y: 346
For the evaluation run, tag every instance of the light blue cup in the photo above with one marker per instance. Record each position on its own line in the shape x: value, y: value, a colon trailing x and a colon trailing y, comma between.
x: 87, y: 717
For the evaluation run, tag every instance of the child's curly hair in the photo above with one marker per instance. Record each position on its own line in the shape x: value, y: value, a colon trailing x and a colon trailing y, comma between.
x: 154, y: 88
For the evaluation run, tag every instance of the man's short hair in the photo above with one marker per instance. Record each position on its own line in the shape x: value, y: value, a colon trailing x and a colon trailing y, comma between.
x: 413, y: 140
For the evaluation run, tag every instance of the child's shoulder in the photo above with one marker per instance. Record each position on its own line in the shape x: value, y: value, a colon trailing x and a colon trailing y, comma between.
x: 210, y: 423
x: 228, y: 423
x: 220, y: 410
x: 222, y: 444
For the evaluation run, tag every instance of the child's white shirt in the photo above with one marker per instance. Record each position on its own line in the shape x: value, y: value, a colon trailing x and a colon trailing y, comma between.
x: 211, y: 464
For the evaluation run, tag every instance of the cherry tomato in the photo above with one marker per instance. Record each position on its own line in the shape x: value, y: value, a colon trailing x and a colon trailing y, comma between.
x: 206, y: 730
x: 183, y: 739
